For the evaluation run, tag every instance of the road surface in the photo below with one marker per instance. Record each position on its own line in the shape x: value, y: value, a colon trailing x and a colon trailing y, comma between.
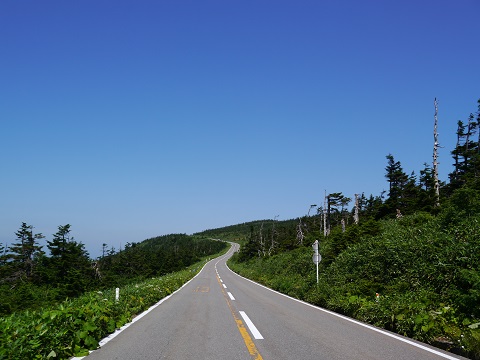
x: 220, y: 315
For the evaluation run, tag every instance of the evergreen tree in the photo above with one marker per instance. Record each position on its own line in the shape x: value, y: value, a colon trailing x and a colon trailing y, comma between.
x: 3, y: 261
x: 426, y: 195
x: 251, y: 248
x: 3, y: 254
x: 69, y: 264
x: 336, y: 203
x: 370, y: 207
x: 409, y: 198
x: 58, y: 251
x: 24, y: 252
x: 398, y: 181
x: 466, y: 154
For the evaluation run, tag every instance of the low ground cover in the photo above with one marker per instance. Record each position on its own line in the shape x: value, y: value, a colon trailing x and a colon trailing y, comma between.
x: 76, y: 326
x: 415, y: 278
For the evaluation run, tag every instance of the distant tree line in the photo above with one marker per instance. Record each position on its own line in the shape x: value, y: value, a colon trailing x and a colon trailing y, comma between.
x: 406, y: 260
x: 155, y: 256
x: 29, y: 278
x: 407, y: 194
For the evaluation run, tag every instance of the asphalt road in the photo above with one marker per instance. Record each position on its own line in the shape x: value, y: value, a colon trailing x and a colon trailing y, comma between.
x: 220, y: 315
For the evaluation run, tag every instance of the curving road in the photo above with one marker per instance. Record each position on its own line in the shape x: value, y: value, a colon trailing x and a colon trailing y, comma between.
x: 220, y: 315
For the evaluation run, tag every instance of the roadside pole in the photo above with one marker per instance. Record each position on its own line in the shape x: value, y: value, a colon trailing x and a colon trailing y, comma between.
x: 316, y: 256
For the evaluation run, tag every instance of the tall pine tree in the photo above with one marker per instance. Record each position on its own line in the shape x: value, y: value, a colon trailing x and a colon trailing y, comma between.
x: 466, y: 154
x: 23, y: 253
x: 397, y: 180
x: 69, y: 265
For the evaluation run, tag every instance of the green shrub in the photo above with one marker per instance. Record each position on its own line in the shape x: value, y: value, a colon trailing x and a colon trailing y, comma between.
x: 76, y: 326
x: 427, y: 278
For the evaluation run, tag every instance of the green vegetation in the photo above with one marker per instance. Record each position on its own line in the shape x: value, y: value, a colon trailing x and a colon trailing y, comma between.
x: 428, y: 279
x: 29, y: 279
x: 154, y: 257
x: 241, y: 233
x: 407, y: 261
x: 61, y: 305
x: 75, y: 326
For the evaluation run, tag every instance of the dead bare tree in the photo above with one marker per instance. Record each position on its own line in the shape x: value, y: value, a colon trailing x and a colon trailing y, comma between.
x: 436, y: 146
x: 326, y: 223
x: 261, y: 242
x: 96, y: 269
x: 467, y: 141
x: 356, y: 217
x: 300, y: 234
x: 344, y: 201
x: 273, y: 242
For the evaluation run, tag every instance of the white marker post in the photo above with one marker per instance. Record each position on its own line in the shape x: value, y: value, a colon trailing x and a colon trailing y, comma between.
x: 117, y: 294
x: 316, y: 256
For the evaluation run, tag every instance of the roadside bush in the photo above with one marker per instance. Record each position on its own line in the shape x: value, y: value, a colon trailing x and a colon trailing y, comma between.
x: 76, y: 326
x: 427, y: 279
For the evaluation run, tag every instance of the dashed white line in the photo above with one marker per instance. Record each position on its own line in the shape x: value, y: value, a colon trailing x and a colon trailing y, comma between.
x: 256, y: 334
x: 231, y: 296
x: 225, y: 286
x: 381, y: 331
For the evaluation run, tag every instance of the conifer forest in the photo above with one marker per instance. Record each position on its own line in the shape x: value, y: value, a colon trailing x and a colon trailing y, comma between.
x: 407, y: 260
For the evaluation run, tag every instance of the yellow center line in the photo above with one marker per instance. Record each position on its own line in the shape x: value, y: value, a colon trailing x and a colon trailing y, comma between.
x: 252, y: 349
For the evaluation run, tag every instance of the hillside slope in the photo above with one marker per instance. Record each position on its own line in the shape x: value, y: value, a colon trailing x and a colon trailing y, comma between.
x: 418, y: 277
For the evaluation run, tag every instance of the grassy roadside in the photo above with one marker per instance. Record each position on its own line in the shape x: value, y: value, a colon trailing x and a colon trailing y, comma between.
x: 426, y: 280
x: 77, y: 325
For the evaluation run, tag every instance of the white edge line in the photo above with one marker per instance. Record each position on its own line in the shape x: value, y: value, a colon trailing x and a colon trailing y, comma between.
x: 253, y: 329
x: 381, y: 331
x: 138, y: 317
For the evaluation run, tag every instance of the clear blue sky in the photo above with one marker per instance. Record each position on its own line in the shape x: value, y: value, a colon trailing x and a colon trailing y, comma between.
x: 132, y: 119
